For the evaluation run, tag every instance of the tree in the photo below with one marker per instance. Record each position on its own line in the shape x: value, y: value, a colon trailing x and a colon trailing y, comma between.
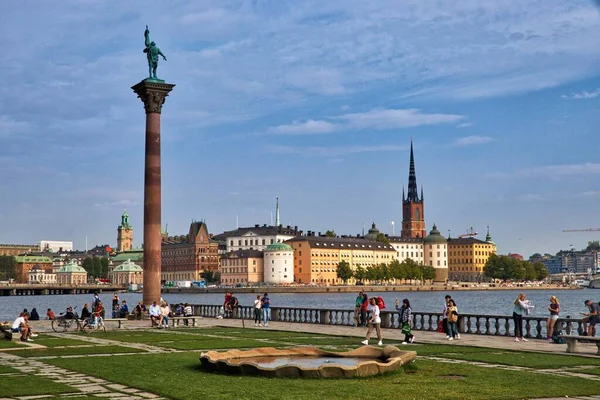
x: 360, y: 274
x: 382, y: 238
x: 535, y: 256
x: 104, y: 266
x: 428, y: 273
x: 593, y: 245
x: 7, y: 267
x: 210, y: 276
x: 541, y: 271
x: 97, y: 267
x: 88, y: 265
x: 494, y: 267
x: 412, y: 269
x: 530, y: 273
x: 330, y: 233
x: 344, y: 272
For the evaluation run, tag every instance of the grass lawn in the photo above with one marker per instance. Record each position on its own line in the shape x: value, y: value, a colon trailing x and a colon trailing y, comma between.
x: 532, y: 360
x: 9, y: 344
x: 30, y: 385
x: 50, y: 341
x: 423, y: 379
x: 589, y: 371
x: 71, y: 351
x: 7, y: 370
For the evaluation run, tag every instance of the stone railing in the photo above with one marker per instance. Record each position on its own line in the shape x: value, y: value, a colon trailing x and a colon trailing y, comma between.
x: 493, y: 325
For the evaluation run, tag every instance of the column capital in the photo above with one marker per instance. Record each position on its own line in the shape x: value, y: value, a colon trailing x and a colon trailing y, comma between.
x: 152, y: 94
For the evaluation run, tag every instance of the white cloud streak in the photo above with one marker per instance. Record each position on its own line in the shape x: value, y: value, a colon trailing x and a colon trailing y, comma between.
x: 551, y: 171
x: 472, y: 140
x: 584, y: 95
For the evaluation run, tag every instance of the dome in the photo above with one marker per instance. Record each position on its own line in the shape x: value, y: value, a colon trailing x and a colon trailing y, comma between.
x: 435, y: 237
x: 373, y: 232
x: 128, y: 266
x: 278, y: 247
x: 72, y: 267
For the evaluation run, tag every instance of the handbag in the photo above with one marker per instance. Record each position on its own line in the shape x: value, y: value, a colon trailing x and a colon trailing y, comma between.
x: 406, y: 328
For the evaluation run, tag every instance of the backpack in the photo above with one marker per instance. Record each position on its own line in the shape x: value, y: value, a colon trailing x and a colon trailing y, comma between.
x: 380, y: 303
x: 556, y: 337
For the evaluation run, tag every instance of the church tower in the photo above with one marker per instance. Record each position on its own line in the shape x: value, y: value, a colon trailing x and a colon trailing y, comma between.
x: 413, y: 206
x: 124, y: 234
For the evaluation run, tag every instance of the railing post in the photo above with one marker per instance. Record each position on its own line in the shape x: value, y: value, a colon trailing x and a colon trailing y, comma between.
x: 386, y: 321
x: 275, y: 313
x: 324, y: 317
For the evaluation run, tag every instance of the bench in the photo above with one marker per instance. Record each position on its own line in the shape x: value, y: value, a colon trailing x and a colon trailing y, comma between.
x: 118, y: 320
x: 177, y: 320
x: 573, y: 340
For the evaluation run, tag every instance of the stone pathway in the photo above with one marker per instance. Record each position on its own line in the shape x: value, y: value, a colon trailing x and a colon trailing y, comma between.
x: 108, y: 342
x: 83, y: 385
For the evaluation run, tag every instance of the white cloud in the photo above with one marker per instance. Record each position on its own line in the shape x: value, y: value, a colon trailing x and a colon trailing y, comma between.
x: 551, y: 171
x: 465, y: 125
x: 472, y: 140
x: 309, y: 127
x: 374, y: 119
x: 585, y: 95
x: 333, y: 151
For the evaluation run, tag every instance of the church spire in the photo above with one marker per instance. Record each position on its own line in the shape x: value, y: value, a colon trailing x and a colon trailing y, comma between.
x: 277, y: 222
x: 413, y: 194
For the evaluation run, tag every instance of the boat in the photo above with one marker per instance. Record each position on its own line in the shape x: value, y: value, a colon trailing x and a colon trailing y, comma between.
x: 582, y: 282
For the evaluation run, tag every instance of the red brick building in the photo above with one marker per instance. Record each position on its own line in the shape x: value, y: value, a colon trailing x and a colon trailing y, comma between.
x: 413, y: 206
x: 185, y: 257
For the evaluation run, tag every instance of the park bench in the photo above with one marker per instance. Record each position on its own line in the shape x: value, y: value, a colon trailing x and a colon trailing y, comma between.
x: 119, y: 321
x: 573, y: 340
x: 177, y: 320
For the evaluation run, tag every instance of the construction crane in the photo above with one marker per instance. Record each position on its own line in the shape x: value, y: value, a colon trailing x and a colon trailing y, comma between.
x: 470, y: 233
x: 582, y: 230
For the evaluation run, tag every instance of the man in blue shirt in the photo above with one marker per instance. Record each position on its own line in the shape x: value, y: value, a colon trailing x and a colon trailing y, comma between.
x: 266, y: 307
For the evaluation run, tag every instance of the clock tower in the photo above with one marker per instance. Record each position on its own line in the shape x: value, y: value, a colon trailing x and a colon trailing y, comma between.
x: 124, y: 234
x: 413, y: 206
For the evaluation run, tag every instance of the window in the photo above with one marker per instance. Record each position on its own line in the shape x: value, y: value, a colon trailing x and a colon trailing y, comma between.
x: 272, y: 270
x: 231, y: 243
x: 300, y: 253
x: 300, y: 262
x: 246, y: 242
x: 272, y: 261
x: 271, y: 241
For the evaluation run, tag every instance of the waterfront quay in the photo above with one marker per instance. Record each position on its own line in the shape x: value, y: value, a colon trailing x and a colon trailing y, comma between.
x: 17, y: 289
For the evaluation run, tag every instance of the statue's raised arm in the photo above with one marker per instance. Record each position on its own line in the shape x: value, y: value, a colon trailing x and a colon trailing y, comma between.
x: 152, y: 53
x: 147, y: 36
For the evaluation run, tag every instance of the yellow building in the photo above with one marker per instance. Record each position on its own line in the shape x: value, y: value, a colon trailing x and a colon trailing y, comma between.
x: 467, y: 257
x: 124, y: 234
x: 316, y: 257
x: 242, y: 266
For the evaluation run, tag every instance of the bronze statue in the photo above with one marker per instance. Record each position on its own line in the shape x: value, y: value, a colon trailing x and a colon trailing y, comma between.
x: 152, y: 52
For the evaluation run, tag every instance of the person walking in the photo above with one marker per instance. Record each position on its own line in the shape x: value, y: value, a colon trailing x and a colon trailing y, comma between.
x: 522, y: 306
x: 357, y: 305
x: 374, y: 322
x: 452, y: 317
x: 257, y: 311
x: 554, y: 309
x: 405, y: 320
x: 266, y: 309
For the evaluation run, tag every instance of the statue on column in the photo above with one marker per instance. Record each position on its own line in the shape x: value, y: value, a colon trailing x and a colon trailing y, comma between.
x: 152, y: 52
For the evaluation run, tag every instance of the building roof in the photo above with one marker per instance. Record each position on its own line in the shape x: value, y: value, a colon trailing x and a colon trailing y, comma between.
x: 467, y: 240
x: 400, y: 239
x: 435, y: 237
x: 373, y: 232
x: 278, y: 247
x: 71, y: 267
x: 128, y: 266
x: 133, y: 254
x: 36, y: 268
x: 259, y: 230
x: 28, y: 259
x: 244, y: 254
x: 326, y: 242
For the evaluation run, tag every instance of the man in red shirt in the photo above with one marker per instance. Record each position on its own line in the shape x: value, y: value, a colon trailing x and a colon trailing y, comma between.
x: 50, y: 314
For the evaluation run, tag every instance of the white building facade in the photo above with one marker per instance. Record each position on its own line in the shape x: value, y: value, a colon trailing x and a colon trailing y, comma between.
x: 55, y: 246
x: 278, y: 264
x: 411, y: 248
x: 435, y: 247
x: 257, y: 237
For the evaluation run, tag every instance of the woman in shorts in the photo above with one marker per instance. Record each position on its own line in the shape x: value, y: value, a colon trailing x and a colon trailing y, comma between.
x: 554, y: 309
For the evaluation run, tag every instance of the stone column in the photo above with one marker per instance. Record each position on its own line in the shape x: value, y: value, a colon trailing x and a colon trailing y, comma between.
x: 153, y: 94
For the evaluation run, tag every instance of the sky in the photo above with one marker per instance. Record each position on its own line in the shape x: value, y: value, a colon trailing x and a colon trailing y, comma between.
x: 315, y: 102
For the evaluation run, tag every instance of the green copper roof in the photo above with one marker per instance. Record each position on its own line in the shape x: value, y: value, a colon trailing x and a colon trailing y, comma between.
x: 278, y: 247
x: 32, y: 259
x: 71, y: 267
x: 435, y: 237
x: 128, y: 266
x: 125, y: 221
x: 488, y: 237
x: 136, y: 255
x: 373, y: 232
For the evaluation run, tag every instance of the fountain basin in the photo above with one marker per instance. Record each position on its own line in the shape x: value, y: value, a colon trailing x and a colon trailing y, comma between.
x: 307, y: 362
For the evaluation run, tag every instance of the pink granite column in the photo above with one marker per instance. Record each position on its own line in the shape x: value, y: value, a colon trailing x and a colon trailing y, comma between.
x: 153, y: 96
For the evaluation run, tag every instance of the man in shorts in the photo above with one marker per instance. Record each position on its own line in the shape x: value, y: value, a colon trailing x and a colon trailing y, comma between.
x: 20, y: 326
x: 592, y: 318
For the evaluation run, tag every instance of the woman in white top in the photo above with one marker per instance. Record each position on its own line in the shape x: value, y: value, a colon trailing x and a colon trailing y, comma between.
x: 257, y: 313
x: 165, y: 310
x: 374, y: 322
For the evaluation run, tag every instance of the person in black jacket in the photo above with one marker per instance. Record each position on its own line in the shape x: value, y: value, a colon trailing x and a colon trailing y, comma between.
x: 34, y: 315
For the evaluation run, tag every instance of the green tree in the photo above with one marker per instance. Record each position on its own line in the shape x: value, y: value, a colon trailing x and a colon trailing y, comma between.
x: 331, y: 233
x: 412, y: 269
x: 7, y: 267
x: 593, y: 245
x: 494, y: 267
x: 210, y: 276
x: 97, y: 267
x: 344, y: 271
x: 541, y: 271
x: 104, y: 266
x: 382, y: 238
x: 88, y: 265
x: 530, y: 273
x: 428, y: 273
x: 360, y: 274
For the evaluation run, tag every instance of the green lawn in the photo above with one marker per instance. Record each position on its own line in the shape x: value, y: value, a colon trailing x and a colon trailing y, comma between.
x: 71, y: 351
x: 50, y: 341
x: 531, y: 360
x: 30, y: 385
x: 9, y: 344
x: 7, y: 370
x: 589, y: 371
x: 423, y: 380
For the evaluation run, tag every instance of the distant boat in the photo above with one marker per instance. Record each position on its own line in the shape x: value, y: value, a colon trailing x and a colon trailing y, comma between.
x: 582, y: 282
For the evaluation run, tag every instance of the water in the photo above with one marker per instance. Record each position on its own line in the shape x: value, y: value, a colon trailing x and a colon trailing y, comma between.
x: 469, y: 302
x: 300, y: 361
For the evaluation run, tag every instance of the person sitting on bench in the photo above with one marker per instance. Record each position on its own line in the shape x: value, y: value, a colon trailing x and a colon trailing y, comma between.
x: 592, y: 318
x: 20, y: 326
x: 154, y: 314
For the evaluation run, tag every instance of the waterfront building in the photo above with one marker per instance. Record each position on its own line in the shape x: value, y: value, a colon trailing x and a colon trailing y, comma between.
x: 38, y: 275
x: 16, y: 249
x: 55, y: 246
x: 242, y: 266
x: 316, y: 257
x: 134, y: 255
x: 71, y: 274
x: 413, y: 205
x: 467, y: 257
x: 436, y: 254
x: 127, y: 273
x: 25, y: 263
x: 278, y: 263
x: 124, y: 234
x: 408, y: 248
x: 185, y: 257
x: 257, y: 237
x: 554, y: 265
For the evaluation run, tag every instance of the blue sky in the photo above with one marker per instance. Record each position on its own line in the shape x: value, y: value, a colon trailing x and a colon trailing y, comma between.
x: 311, y: 101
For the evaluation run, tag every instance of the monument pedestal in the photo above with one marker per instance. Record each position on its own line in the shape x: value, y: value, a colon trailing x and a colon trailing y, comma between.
x: 153, y: 95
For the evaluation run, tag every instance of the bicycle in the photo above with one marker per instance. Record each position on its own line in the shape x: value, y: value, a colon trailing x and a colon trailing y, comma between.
x: 62, y: 324
x: 93, y: 324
